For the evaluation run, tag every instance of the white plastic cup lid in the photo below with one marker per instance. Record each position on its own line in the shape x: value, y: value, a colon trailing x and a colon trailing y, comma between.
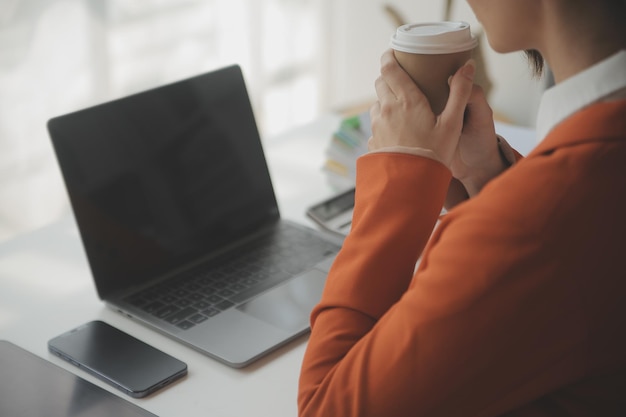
x: 434, y: 38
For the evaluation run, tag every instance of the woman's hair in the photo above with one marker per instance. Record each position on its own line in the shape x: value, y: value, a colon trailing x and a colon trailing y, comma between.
x: 536, y: 60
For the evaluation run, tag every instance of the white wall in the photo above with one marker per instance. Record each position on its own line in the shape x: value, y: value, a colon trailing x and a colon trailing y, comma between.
x: 59, y: 55
x: 361, y: 30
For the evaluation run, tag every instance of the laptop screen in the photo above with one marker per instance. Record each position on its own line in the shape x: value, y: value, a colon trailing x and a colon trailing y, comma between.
x: 160, y: 178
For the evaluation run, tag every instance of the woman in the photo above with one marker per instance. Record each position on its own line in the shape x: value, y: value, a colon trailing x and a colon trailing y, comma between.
x: 518, y: 306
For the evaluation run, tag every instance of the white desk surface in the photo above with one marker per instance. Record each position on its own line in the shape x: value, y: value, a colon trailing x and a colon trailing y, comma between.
x: 46, y: 289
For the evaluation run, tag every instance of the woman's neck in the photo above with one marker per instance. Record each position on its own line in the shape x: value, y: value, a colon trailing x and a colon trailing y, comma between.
x: 574, y: 42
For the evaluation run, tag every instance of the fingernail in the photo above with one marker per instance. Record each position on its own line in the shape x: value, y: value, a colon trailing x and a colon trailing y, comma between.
x: 469, y: 69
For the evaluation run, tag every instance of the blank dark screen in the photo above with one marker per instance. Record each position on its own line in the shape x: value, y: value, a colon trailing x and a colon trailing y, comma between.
x: 159, y: 178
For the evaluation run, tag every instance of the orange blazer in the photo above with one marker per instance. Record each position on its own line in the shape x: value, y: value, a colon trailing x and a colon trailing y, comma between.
x: 518, y: 305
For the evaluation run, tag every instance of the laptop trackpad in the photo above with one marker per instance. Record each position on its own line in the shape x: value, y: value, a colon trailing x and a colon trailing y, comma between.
x: 289, y: 305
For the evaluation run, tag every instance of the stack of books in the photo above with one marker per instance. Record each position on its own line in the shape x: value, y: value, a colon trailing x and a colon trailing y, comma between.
x: 347, y: 143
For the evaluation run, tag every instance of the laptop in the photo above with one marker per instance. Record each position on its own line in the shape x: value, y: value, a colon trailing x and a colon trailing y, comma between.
x: 32, y: 386
x: 177, y: 214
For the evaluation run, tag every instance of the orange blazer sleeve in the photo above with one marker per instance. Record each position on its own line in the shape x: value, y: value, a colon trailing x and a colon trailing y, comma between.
x: 516, y: 301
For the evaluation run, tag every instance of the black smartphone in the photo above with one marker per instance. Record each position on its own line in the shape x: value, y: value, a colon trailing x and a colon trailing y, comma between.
x: 127, y: 363
x: 334, y: 214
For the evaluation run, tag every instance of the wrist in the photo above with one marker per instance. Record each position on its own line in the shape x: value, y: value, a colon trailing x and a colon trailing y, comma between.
x: 501, y: 158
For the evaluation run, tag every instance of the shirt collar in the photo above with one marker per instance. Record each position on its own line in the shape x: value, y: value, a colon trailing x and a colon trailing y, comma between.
x: 579, y: 91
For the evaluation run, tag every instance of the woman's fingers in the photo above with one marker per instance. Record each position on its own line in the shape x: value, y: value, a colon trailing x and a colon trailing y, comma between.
x: 402, y: 115
x: 383, y: 92
x: 398, y: 80
x: 461, y: 87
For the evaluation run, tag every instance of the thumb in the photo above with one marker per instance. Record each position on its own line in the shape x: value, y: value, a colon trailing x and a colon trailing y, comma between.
x: 461, y: 84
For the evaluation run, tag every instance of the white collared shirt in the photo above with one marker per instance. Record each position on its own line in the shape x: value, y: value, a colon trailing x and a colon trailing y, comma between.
x: 587, y: 87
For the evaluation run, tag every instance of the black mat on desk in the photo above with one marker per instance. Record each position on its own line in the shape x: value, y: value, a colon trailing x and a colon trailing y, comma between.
x: 31, y: 386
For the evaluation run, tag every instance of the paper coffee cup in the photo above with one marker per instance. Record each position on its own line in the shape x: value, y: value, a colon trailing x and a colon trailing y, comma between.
x: 430, y: 53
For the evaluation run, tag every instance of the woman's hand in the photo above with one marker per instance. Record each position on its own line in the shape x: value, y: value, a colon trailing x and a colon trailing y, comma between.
x: 402, y: 115
x: 463, y: 137
x: 477, y: 158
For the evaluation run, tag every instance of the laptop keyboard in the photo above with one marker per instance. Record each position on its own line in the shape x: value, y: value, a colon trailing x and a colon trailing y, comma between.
x: 208, y: 290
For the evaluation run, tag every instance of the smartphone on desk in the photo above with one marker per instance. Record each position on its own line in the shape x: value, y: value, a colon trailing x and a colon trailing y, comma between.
x: 127, y: 363
x: 334, y: 214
